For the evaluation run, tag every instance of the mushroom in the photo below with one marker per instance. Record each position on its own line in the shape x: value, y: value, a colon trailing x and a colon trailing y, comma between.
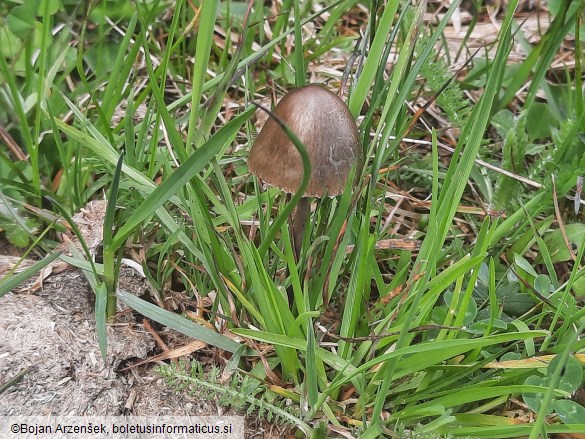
x: 325, y: 126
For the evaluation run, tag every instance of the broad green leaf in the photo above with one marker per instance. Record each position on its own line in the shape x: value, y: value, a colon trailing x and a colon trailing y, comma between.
x: 540, y: 121
x: 524, y: 265
x: 571, y: 375
x: 533, y: 400
x: 569, y: 411
x: 470, y: 312
x: 556, y: 242
x: 542, y: 284
x: 21, y: 20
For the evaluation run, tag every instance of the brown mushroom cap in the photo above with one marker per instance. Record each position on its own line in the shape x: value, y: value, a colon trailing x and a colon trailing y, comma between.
x: 324, y: 124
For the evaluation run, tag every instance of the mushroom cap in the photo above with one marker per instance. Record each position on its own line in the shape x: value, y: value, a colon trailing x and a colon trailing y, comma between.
x: 324, y: 124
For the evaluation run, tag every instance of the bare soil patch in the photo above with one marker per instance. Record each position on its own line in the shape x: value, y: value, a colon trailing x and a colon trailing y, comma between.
x: 51, y: 337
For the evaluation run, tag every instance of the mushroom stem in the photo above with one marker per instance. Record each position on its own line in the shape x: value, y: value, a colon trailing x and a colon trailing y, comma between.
x: 299, y: 221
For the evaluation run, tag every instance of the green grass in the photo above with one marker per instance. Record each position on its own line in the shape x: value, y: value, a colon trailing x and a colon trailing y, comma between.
x: 155, y: 110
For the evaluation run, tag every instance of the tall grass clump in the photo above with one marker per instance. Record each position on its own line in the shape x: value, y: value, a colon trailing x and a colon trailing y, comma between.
x: 437, y: 290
